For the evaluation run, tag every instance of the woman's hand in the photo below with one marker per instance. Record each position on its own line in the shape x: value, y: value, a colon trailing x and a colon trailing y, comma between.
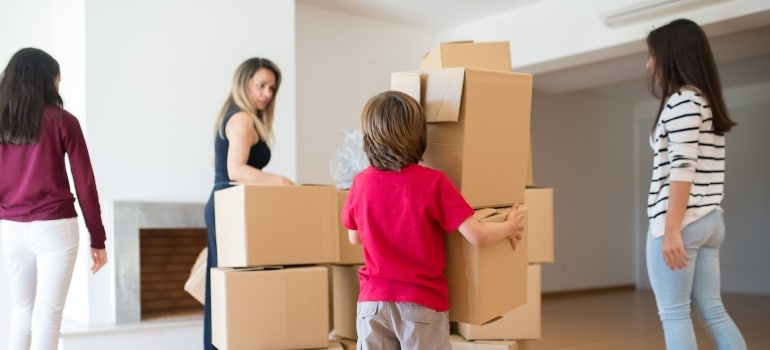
x: 673, y: 250
x: 99, y: 257
x: 284, y: 181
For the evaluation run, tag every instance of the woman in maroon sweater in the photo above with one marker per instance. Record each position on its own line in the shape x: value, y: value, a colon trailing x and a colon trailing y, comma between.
x: 38, y: 225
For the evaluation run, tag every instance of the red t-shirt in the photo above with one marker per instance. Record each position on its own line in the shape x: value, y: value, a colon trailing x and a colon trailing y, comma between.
x: 33, y: 177
x: 402, y: 218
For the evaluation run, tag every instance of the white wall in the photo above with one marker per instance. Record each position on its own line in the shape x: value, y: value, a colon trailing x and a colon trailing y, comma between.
x: 744, y: 256
x: 157, y: 75
x: 581, y: 148
x: 36, y: 19
x: 342, y: 61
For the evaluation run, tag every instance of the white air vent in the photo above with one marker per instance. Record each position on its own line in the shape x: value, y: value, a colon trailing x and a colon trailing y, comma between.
x: 615, y: 12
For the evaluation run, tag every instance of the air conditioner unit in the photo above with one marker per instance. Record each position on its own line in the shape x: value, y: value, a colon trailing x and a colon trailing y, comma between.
x: 615, y: 12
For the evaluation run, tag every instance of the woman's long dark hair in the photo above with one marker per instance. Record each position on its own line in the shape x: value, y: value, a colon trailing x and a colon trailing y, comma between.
x: 26, y: 85
x: 682, y: 56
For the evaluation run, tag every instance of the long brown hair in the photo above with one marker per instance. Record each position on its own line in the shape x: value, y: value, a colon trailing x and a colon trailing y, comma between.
x: 239, y: 96
x: 26, y: 85
x: 394, y: 131
x: 682, y: 56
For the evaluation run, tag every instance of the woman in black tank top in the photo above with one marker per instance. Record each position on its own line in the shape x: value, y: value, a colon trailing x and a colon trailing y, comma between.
x: 242, y: 139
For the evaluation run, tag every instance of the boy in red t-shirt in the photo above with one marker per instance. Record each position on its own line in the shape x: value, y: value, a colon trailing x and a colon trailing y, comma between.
x: 401, y: 211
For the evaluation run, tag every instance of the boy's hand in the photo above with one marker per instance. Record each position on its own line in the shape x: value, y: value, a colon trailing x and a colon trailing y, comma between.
x: 515, y: 218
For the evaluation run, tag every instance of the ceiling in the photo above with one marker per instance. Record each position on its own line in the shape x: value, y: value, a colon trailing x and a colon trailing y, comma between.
x: 743, y: 57
x: 422, y: 13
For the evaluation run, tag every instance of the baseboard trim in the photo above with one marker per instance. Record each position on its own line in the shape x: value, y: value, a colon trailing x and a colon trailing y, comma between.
x: 589, y: 291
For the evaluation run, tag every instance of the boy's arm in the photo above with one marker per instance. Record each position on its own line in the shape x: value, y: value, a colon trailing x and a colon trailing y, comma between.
x: 353, y: 237
x: 483, y: 233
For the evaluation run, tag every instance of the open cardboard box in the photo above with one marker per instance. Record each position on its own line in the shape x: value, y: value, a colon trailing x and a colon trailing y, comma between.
x: 478, y: 129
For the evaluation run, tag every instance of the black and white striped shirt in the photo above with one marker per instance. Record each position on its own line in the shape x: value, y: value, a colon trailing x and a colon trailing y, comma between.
x: 686, y: 149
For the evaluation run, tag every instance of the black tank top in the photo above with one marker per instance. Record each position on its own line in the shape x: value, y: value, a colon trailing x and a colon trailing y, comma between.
x: 259, y: 154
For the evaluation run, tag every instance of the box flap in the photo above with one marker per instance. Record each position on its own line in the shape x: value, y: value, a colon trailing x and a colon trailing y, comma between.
x: 432, y: 59
x: 494, y: 55
x: 439, y: 91
x: 441, y: 94
x: 482, y: 213
x: 406, y: 82
x: 492, y: 214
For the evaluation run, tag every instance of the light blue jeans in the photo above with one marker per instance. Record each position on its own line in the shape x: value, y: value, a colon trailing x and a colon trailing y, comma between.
x: 698, y: 285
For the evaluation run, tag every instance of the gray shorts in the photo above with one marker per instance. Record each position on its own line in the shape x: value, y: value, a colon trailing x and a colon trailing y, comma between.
x: 389, y: 325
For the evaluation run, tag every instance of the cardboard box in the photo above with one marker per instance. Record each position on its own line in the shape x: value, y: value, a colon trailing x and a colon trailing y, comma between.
x: 347, y: 253
x: 486, y: 282
x: 270, y: 309
x: 347, y: 344
x: 524, y: 322
x: 478, y: 131
x: 458, y: 343
x: 261, y: 225
x: 196, y: 283
x: 530, y: 166
x: 335, y: 345
x: 541, y: 245
x: 345, y: 288
x: 469, y: 54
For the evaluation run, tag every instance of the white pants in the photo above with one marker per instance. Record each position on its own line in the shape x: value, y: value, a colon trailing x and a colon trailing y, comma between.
x: 40, y: 257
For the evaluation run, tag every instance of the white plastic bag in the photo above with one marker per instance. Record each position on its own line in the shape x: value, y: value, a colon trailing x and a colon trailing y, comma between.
x: 348, y: 160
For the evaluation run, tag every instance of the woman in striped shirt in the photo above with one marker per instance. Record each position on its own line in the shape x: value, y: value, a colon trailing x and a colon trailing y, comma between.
x: 686, y: 227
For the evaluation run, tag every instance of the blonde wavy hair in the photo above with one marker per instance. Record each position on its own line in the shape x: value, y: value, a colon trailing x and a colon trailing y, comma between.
x: 239, y: 96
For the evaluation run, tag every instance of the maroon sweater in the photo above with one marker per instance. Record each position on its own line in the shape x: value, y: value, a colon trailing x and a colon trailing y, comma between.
x: 33, y: 177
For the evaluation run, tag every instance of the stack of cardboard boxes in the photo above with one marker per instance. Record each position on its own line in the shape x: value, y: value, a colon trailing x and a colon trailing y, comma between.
x: 479, y: 135
x: 287, y: 274
x: 274, y: 244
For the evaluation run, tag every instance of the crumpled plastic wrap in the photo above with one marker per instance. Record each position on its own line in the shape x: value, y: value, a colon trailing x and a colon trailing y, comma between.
x: 348, y: 160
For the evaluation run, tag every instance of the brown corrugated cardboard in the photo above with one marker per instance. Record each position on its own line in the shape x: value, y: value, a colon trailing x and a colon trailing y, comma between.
x: 347, y: 344
x: 439, y: 91
x: 270, y: 309
x: 345, y: 289
x: 335, y: 345
x: 276, y: 225
x: 488, y: 281
x: 196, y: 283
x: 541, y: 245
x: 458, y: 343
x: 530, y: 166
x: 484, y: 55
x: 347, y: 253
x: 521, y: 323
x: 479, y: 130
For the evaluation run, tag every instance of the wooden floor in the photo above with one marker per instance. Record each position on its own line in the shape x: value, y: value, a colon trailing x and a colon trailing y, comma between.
x: 626, y: 318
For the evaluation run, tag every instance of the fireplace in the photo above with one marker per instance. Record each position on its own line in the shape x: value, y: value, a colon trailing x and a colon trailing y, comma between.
x: 172, y: 235
x: 165, y: 258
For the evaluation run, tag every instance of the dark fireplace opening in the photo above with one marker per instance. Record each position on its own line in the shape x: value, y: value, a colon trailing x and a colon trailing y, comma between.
x: 166, y: 257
